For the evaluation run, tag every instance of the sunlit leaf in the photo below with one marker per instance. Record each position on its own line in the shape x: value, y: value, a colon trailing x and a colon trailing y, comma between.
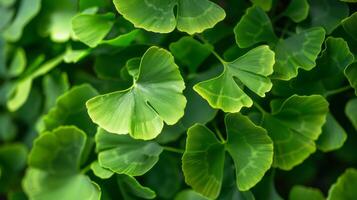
x: 141, y: 109
x: 252, y: 70
x: 264, y: 4
x: 301, y: 192
x: 100, y: 171
x: 193, y: 16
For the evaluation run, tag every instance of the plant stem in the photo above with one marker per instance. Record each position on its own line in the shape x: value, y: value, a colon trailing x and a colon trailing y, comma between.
x: 337, y: 91
x: 260, y: 108
x: 174, y: 150
x: 86, y: 169
x: 219, y: 133
x: 212, y: 51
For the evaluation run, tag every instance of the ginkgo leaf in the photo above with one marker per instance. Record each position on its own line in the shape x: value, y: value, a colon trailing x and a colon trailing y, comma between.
x: 155, y: 97
x: 327, y: 14
x: 125, y: 155
x: 252, y: 70
x: 70, y: 110
x: 185, y: 47
x: 133, y: 188
x: 100, y: 172
x: 345, y: 187
x: 264, y: 4
x: 299, y: 192
x: 298, y: 10
x: 351, y: 74
x: 189, y: 195
x: 92, y: 28
x: 297, y: 51
x: 349, y: 25
x: 54, y: 167
x: 351, y: 111
x: 41, y: 185
x: 254, y: 27
x: 18, y: 63
x: 193, y: 16
x: 28, y: 9
x: 333, y: 135
x: 294, y: 125
x: 203, y: 160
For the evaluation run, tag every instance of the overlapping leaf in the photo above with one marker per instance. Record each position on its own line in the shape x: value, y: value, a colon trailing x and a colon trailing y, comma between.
x: 252, y: 70
x: 193, y: 16
x: 203, y: 160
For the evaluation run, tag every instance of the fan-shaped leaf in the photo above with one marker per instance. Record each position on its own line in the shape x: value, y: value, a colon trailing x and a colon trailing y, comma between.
x: 193, y: 16
x: 297, y: 51
x: 351, y: 74
x: 293, y: 126
x: 351, y: 111
x: 254, y: 27
x: 301, y: 192
x: 132, y: 187
x: 349, y: 24
x: 203, y: 161
x: 345, y: 187
x: 298, y: 10
x: 125, y: 155
x: 100, y: 172
x: 264, y: 4
x: 140, y: 110
x: 252, y: 70
x: 333, y: 135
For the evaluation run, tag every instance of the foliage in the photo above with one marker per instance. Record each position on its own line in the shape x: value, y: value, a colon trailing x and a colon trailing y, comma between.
x: 178, y: 99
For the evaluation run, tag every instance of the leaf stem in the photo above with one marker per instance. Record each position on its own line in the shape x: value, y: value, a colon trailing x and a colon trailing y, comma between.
x: 86, y: 168
x: 173, y: 149
x: 212, y: 51
x: 218, y: 132
x: 337, y: 91
x: 260, y: 108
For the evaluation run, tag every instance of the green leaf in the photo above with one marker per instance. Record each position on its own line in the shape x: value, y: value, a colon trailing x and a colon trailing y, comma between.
x: 12, y: 162
x: 254, y: 27
x: 264, y: 4
x: 293, y: 126
x: 70, y: 110
x: 54, y: 85
x: 141, y: 109
x: 193, y: 16
x: 189, y: 195
x: 333, y: 135
x: 22, y: 87
x: 92, y: 28
x: 297, y: 51
x: 8, y: 128
x: 349, y: 25
x: 203, y: 161
x: 129, y: 184
x: 252, y: 70
x: 351, y: 74
x: 351, y: 111
x: 50, y: 150
x: 125, y: 155
x: 251, y: 150
x: 100, y: 171
x: 301, y: 192
x: 123, y: 40
x: 18, y: 63
x: 40, y: 185
x: 27, y: 11
x: 344, y: 188
x: 298, y: 10
x: 327, y: 14
x: 54, y: 167
x: 185, y: 47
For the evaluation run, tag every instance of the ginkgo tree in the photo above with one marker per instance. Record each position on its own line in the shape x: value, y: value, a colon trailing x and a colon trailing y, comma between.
x: 178, y: 99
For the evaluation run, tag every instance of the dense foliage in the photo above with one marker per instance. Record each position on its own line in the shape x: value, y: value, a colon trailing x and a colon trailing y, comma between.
x: 178, y: 99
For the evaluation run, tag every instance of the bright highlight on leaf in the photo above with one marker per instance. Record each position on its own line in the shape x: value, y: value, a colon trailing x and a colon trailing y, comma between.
x: 155, y: 97
x: 248, y: 145
x: 250, y: 70
x: 193, y: 16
